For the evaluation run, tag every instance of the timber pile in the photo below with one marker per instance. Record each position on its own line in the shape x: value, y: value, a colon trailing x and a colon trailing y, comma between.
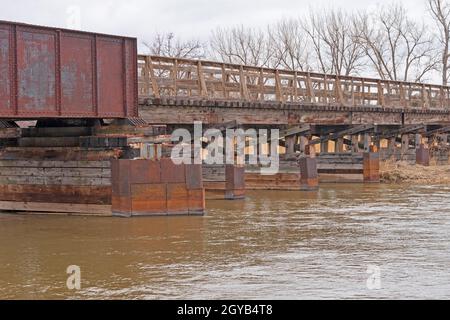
x: 224, y: 182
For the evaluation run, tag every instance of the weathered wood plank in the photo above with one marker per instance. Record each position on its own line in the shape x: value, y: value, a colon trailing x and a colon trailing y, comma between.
x: 56, y: 172
x: 64, y: 208
x: 56, y: 193
x: 42, y: 180
x: 59, y: 154
x: 55, y: 164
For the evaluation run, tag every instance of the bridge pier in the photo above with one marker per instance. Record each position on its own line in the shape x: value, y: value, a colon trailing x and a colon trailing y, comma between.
x: 309, y: 177
x: 405, y: 144
x: 392, y: 144
x: 304, y: 141
x: 156, y: 187
x: 91, y: 171
x: 324, y: 146
x: 367, y: 142
x: 224, y: 182
x: 339, y: 145
x: 355, y: 143
x: 290, y: 145
x: 371, y: 167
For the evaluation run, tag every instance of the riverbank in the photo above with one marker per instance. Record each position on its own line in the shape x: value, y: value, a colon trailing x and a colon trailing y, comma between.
x: 403, y: 172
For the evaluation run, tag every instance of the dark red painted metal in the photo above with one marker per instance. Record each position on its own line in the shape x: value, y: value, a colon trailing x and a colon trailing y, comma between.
x: 57, y: 73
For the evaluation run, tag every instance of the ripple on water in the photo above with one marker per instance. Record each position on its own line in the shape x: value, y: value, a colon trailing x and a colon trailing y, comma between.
x: 275, y: 245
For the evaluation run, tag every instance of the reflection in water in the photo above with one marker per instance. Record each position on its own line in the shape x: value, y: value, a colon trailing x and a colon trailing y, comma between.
x: 273, y: 245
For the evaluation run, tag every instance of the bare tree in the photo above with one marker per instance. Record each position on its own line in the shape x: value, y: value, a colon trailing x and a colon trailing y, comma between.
x: 290, y: 45
x: 166, y: 44
x: 242, y: 46
x: 332, y: 36
x: 440, y: 11
x: 385, y: 42
x: 397, y: 47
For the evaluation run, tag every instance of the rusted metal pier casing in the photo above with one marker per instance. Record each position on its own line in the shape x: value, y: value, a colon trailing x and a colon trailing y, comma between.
x: 55, y: 73
x: 309, y: 176
x: 371, y: 165
x: 235, y: 182
x: 423, y: 155
x: 224, y: 182
x: 156, y: 187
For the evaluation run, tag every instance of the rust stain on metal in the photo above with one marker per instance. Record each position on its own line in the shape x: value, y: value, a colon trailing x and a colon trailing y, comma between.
x: 49, y: 72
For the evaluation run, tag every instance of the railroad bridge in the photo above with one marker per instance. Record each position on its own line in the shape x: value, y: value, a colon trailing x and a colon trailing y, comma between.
x: 180, y: 91
x: 347, y: 110
x: 102, y: 115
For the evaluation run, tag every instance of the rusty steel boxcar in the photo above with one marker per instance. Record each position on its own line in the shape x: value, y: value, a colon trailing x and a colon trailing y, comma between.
x: 57, y: 73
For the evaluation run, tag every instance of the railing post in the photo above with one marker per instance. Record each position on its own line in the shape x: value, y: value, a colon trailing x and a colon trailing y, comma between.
x: 353, y: 92
x: 175, y: 77
x: 424, y: 97
x: 309, y: 88
x: 155, y: 87
x: 243, y: 81
x: 430, y: 96
x: 355, y: 143
x: 278, y: 93
x: 380, y: 90
x: 261, y: 84
x: 409, y: 96
x: 402, y: 96
x: 388, y: 96
x: 363, y: 89
x: 340, y: 95
x: 295, y: 86
x: 201, y: 79
x: 224, y: 81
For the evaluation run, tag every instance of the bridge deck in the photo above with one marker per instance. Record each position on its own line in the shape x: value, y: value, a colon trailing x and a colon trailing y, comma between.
x: 173, y: 77
x: 221, y: 92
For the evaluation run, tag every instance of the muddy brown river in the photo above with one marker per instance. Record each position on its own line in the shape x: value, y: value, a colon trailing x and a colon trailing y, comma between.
x: 273, y: 245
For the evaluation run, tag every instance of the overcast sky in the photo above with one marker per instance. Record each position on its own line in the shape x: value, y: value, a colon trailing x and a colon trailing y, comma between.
x: 186, y: 18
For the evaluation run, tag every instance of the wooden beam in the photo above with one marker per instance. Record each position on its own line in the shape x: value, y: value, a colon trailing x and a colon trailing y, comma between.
x: 278, y: 89
x: 437, y: 131
x: 341, y: 134
x: 295, y: 131
x: 61, y: 208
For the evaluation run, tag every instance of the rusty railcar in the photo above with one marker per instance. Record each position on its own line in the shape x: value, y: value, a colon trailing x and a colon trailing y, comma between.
x: 58, y: 73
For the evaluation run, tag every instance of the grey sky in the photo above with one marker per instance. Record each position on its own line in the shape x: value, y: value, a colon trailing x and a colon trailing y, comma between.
x: 192, y: 18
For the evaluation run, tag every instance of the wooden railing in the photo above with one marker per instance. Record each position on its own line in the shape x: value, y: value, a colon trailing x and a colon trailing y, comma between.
x: 197, y: 79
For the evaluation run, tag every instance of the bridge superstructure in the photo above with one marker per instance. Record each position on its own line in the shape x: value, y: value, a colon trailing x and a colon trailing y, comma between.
x: 176, y: 91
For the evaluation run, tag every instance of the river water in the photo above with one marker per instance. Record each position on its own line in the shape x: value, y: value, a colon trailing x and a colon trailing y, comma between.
x: 273, y: 245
